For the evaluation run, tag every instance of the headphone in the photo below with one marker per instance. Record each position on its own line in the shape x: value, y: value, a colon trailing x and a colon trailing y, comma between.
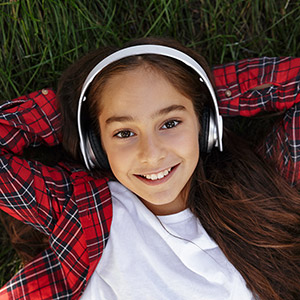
x: 212, y: 124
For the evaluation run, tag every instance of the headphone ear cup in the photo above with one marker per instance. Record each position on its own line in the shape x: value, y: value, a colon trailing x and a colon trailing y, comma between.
x: 96, y: 154
x: 208, y: 136
x: 203, y: 138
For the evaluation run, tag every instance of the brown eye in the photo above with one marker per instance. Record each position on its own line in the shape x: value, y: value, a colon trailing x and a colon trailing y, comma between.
x: 170, y: 124
x: 124, y: 134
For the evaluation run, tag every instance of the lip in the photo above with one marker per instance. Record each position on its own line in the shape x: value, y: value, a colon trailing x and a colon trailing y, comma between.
x: 158, y: 181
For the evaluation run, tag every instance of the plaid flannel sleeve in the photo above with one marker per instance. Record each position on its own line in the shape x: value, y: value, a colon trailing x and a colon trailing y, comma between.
x: 235, y: 85
x: 30, y: 191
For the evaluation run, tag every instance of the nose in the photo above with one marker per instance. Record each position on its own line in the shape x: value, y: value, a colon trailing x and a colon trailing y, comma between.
x: 151, y: 149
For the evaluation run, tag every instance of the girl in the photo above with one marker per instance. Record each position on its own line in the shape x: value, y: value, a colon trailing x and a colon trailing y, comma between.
x: 190, y: 220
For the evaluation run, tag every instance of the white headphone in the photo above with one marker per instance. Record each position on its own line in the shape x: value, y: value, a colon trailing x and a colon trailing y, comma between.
x: 90, y: 144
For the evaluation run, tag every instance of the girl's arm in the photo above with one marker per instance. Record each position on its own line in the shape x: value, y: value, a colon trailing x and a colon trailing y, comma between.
x: 253, y: 86
x: 30, y: 191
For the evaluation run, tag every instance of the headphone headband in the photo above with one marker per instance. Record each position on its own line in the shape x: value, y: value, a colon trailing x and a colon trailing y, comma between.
x: 139, y: 50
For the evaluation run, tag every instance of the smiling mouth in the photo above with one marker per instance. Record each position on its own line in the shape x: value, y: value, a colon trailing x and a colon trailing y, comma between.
x: 157, y: 177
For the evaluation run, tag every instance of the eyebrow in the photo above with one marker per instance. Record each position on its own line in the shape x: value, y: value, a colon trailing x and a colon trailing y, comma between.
x: 163, y: 111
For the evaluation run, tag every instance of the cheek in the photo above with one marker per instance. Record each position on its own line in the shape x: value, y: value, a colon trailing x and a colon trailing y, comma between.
x: 116, y: 165
x: 188, y: 142
x: 190, y: 149
x: 119, y: 160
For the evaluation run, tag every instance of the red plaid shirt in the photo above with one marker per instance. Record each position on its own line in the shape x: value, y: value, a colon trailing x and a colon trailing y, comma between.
x: 75, y: 209
x: 235, y: 83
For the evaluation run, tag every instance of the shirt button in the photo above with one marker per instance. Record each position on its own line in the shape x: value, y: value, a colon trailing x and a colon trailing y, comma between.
x: 228, y: 93
x: 45, y: 92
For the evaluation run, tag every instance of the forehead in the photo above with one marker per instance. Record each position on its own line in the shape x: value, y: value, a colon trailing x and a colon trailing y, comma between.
x: 143, y: 87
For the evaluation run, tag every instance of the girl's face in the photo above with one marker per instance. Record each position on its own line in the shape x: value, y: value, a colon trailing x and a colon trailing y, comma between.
x: 150, y: 134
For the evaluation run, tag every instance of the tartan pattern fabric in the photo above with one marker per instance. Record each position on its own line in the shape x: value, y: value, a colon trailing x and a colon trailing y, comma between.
x: 75, y: 209
x: 235, y: 83
x: 64, y: 202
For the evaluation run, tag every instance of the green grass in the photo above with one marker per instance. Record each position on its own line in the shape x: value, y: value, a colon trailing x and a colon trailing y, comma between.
x: 39, y: 38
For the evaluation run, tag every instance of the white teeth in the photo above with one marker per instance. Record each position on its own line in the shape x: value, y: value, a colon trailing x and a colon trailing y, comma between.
x: 159, y: 175
x: 153, y: 177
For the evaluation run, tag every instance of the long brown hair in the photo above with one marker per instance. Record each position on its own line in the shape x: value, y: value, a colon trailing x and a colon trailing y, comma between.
x: 26, y: 241
x: 241, y: 200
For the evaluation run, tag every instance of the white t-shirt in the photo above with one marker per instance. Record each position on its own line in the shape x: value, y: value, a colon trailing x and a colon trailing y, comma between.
x: 161, y: 258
